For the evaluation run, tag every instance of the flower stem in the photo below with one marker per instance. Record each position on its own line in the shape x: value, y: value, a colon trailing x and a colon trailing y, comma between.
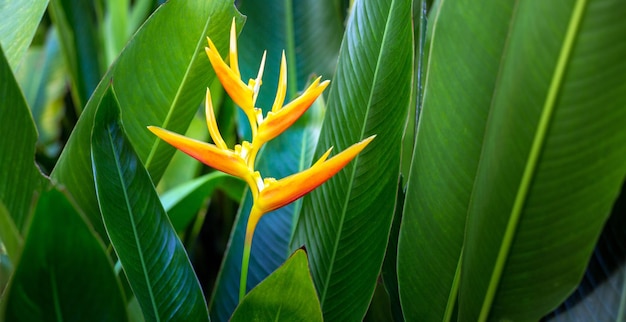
x: 244, y: 268
x: 253, y: 219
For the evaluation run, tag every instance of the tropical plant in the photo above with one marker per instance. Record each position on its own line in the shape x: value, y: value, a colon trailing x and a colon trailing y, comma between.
x: 494, y: 188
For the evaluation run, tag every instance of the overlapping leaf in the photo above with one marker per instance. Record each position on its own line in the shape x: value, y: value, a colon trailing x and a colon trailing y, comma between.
x: 288, y: 294
x: 64, y: 274
x: 527, y: 155
x: 162, y: 75
x: 19, y: 177
x: 153, y: 257
x: 20, y: 20
x: 345, y: 223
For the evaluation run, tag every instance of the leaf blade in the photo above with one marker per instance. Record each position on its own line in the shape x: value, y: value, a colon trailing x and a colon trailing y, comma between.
x: 54, y: 261
x: 153, y: 257
x: 376, y: 55
x: 169, y: 86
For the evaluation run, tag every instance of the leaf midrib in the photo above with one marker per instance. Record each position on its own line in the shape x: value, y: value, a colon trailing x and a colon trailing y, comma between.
x: 533, y: 157
x: 166, y: 121
x: 356, y: 159
x: 134, y: 227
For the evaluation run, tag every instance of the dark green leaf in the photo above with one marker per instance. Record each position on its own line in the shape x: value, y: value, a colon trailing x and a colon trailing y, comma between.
x: 345, y: 223
x: 183, y: 202
x: 162, y: 76
x: 19, y: 23
x: 64, y: 273
x: 601, y: 296
x: 78, y: 29
x: 151, y: 254
x: 287, y: 294
x: 19, y: 177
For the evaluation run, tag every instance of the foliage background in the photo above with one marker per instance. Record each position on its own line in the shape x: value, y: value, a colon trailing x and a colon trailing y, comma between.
x: 494, y: 189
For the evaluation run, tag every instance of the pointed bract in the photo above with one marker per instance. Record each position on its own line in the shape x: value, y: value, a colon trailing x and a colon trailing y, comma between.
x: 226, y: 161
x: 277, y: 122
x: 284, y: 191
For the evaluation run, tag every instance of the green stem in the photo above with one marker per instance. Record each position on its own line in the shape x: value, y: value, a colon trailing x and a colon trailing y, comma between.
x: 253, y: 219
x: 244, y: 267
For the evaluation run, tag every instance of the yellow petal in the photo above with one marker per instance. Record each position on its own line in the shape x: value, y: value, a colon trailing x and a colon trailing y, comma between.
x: 211, y: 123
x: 232, y: 52
x: 230, y: 79
x: 282, y: 85
x: 223, y: 160
x: 277, y: 122
x: 284, y: 191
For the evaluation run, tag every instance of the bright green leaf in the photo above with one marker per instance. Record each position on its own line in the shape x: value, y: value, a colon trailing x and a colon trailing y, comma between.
x: 64, y: 273
x: 287, y: 294
x: 153, y: 258
x: 19, y: 177
x: 345, y: 223
x: 521, y: 134
x: 19, y: 23
x: 161, y: 77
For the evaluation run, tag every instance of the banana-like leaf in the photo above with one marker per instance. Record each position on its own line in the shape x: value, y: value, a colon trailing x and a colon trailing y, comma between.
x: 64, y: 273
x: 153, y: 258
x: 19, y: 177
x: 601, y: 296
x: 345, y: 223
x: 317, y: 41
x: 162, y: 76
x: 519, y: 157
x: 20, y: 20
x: 288, y: 294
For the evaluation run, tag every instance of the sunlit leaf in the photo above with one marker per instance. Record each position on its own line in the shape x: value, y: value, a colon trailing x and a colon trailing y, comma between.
x: 516, y: 167
x: 287, y: 294
x: 19, y: 24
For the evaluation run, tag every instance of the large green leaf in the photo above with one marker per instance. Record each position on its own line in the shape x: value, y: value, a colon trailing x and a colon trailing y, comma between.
x: 532, y: 157
x: 64, y: 273
x: 19, y: 23
x: 162, y: 75
x: 289, y: 28
x: 153, y: 258
x: 601, y: 296
x: 345, y: 223
x: 77, y: 24
x: 19, y: 177
x: 288, y: 294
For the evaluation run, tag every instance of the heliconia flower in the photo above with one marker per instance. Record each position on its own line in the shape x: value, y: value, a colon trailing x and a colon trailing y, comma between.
x: 268, y: 194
